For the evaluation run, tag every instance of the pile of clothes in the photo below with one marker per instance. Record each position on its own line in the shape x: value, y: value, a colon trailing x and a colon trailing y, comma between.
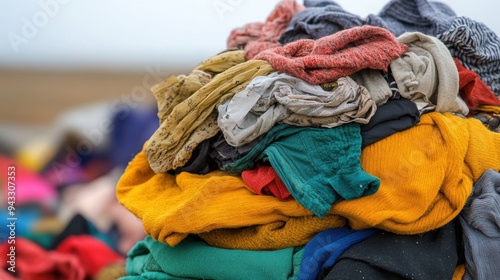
x: 62, y: 217
x: 324, y: 145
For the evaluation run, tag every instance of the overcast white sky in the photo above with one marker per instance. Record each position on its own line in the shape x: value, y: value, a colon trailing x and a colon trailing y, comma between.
x: 133, y: 34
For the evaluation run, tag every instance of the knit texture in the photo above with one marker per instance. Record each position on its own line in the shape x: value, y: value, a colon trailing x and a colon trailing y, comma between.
x: 319, y: 19
x: 256, y: 36
x: 477, y: 47
x: 432, y: 164
x: 481, y: 228
x: 171, y: 207
x: 272, y: 236
x: 473, y: 90
x: 400, y: 16
x: 334, y: 56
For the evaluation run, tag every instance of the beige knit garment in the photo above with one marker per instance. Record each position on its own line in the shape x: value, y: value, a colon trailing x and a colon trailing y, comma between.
x: 427, y: 75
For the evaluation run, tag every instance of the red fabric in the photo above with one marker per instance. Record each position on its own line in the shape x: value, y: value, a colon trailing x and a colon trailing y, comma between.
x: 256, y: 37
x: 264, y: 180
x: 473, y: 90
x: 338, y: 55
x: 76, y: 258
x: 32, y: 262
x: 92, y: 252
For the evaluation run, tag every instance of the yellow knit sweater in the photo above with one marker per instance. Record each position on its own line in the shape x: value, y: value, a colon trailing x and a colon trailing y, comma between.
x: 171, y: 207
x: 426, y: 173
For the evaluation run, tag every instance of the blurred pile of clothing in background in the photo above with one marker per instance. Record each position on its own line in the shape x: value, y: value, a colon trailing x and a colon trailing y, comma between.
x: 68, y: 223
x: 318, y: 145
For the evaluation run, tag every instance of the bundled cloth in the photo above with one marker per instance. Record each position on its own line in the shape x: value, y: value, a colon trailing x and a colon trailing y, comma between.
x: 337, y: 55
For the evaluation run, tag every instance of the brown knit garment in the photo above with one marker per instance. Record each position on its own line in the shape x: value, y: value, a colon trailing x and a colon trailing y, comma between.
x: 337, y: 55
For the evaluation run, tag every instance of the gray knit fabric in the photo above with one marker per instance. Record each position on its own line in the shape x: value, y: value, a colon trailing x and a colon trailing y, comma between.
x: 423, y: 16
x: 480, y: 220
x: 320, y: 18
x: 477, y: 47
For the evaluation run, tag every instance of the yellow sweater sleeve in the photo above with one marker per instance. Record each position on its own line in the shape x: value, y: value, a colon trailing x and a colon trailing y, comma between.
x: 426, y: 173
x: 171, y: 207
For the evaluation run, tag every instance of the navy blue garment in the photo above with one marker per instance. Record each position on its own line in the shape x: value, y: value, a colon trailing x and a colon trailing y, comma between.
x: 130, y: 128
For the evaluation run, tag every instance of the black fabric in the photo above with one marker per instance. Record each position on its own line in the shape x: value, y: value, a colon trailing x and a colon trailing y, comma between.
x: 223, y: 153
x: 200, y: 161
x: 76, y: 226
x: 431, y: 255
x: 393, y: 116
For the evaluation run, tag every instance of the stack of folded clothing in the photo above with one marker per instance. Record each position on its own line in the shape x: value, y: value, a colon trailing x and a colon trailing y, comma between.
x: 323, y: 145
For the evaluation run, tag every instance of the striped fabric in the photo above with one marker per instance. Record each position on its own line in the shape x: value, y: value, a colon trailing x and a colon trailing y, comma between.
x: 477, y: 47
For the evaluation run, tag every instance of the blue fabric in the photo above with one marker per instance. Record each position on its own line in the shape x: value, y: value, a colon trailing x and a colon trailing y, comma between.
x: 326, y: 247
x: 130, y: 129
x: 319, y: 166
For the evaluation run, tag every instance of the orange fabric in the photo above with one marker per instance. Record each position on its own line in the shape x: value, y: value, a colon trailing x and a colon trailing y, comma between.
x: 459, y: 272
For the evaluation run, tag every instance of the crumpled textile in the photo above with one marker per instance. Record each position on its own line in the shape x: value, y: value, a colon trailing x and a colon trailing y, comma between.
x: 263, y: 180
x: 430, y: 255
x: 171, y: 207
x: 481, y: 228
x: 256, y: 36
x: 320, y: 18
x: 32, y: 262
x: 325, y: 248
x: 76, y: 258
x: 319, y: 166
x: 393, y: 116
x: 400, y: 16
x: 432, y: 164
x: 376, y: 84
x: 281, y: 98
x: 194, y: 259
x: 272, y: 236
x: 337, y: 55
x: 473, y: 90
x: 194, y: 119
x: 427, y: 75
x: 477, y: 47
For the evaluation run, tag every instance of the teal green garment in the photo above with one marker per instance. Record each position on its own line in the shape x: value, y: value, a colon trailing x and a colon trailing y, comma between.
x: 195, y: 259
x: 319, y: 166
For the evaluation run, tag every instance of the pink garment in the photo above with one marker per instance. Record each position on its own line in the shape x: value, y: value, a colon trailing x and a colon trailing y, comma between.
x: 29, y: 186
x: 256, y: 37
x: 264, y: 180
